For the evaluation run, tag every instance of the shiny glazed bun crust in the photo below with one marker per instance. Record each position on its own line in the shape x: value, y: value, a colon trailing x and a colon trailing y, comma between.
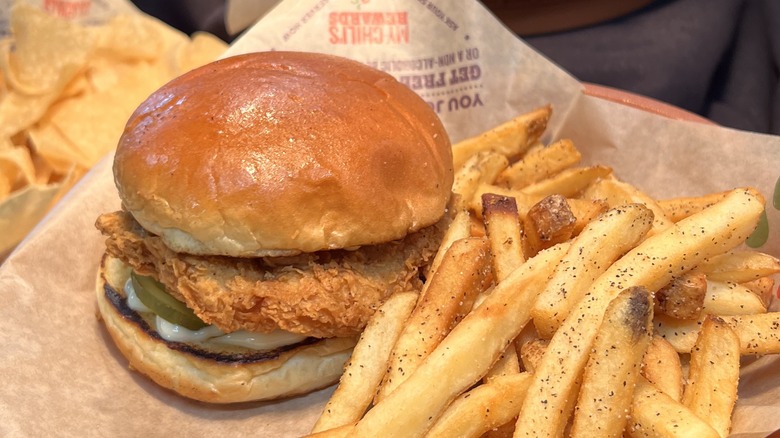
x: 277, y: 153
x: 296, y: 370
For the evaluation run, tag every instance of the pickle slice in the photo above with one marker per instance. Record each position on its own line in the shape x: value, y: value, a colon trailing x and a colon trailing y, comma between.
x: 154, y: 296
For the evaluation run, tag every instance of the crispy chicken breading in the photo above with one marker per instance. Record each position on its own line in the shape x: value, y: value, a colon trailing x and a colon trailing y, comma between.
x: 322, y: 294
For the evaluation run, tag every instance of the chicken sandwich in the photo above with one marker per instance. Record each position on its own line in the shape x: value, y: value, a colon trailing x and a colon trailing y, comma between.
x: 270, y: 203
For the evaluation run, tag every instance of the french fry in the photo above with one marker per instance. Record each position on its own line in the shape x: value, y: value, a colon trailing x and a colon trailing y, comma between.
x: 661, y: 367
x: 726, y: 299
x: 549, y: 222
x: 481, y: 168
x: 462, y: 274
x: 762, y: 287
x: 678, y: 209
x: 617, y: 192
x: 531, y: 353
x: 506, y: 247
x: 593, y: 251
x: 502, y: 223
x: 683, y: 297
x: 366, y: 367
x: 740, y: 266
x: 524, y: 202
x: 711, y: 389
x: 758, y: 334
x: 477, y: 228
x: 612, y: 371
x: 569, y: 183
x: 538, y: 164
x: 655, y: 414
x: 464, y: 356
x: 653, y: 263
x: 486, y: 407
x: 585, y: 211
x: 337, y: 432
x: 459, y: 228
x: 511, y: 138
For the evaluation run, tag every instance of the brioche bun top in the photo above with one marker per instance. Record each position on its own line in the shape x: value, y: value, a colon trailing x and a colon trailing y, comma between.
x: 277, y: 153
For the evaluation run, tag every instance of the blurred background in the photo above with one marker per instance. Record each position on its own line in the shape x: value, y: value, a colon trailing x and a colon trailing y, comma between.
x: 715, y: 58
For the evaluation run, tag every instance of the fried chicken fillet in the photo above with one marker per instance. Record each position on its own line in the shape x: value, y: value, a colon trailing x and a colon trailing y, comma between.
x: 323, y: 294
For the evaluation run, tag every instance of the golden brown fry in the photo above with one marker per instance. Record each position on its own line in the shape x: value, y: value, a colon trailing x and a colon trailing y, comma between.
x: 367, y: 364
x: 683, y: 297
x: 569, y: 183
x: 459, y: 228
x: 549, y: 222
x: 661, y: 367
x: 739, y: 266
x: 511, y: 138
x: 616, y: 193
x: 477, y: 228
x: 462, y: 274
x: 338, y: 432
x: 678, y: 209
x: 502, y: 224
x: 613, y: 368
x: 503, y: 229
x: 758, y: 333
x: 484, y: 408
x: 655, y: 414
x: 464, y: 356
x: 524, y: 202
x: 538, y: 164
x: 652, y: 263
x: 585, y: 211
x: 531, y: 353
x: 711, y: 389
x: 481, y: 168
x: 726, y: 299
x: 592, y: 253
x: 762, y: 287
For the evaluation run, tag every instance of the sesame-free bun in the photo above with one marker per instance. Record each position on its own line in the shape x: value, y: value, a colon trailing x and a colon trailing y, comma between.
x: 277, y: 153
x: 207, y: 376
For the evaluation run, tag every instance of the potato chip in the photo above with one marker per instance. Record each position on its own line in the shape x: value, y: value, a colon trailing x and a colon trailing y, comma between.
x: 18, y: 111
x: 17, y: 166
x: 130, y: 38
x: 47, y: 50
x: 204, y: 48
x: 52, y: 146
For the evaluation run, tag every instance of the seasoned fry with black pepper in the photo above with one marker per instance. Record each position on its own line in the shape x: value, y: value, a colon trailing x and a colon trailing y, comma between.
x: 592, y: 253
x: 652, y: 264
x: 607, y: 387
x: 364, y: 371
x: 549, y: 222
x: 711, y: 389
x: 683, y: 297
x: 511, y: 138
x: 463, y: 273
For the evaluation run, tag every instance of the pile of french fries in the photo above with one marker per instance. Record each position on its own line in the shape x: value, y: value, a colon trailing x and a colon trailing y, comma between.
x: 565, y: 302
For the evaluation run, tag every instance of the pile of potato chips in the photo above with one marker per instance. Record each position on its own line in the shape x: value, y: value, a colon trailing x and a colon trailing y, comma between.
x: 66, y: 92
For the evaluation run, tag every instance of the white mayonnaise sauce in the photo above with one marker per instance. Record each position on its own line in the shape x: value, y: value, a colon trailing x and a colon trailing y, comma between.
x: 242, y: 338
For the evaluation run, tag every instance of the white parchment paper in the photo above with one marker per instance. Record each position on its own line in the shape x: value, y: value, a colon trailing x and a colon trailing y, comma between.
x: 62, y: 376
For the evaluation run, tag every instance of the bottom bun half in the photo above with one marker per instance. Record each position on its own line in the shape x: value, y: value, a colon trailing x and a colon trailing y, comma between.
x: 210, y: 376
